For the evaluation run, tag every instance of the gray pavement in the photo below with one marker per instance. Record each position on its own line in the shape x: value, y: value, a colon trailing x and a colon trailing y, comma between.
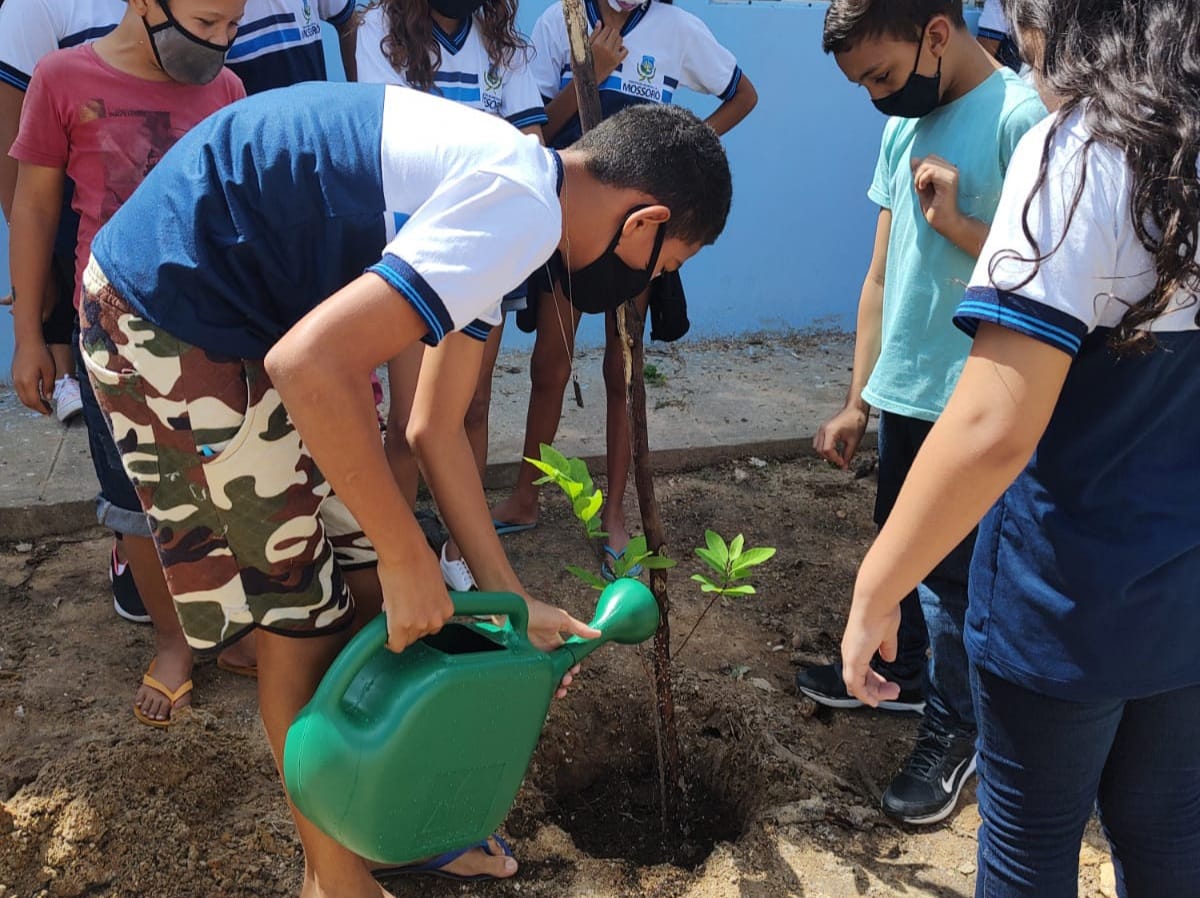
x: 712, y: 401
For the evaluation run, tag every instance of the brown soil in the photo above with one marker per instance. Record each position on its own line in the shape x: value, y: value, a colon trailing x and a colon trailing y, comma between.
x: 782, y: 796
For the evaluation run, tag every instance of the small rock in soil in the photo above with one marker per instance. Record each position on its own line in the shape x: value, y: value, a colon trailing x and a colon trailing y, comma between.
x: 756, y: 462
x: 764, y: 685
x: 966, y: 869
x: 740, y: 476
x: 24, y: 547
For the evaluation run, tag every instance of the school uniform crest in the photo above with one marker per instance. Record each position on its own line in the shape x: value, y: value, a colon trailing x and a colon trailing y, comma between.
x: 646, y: 68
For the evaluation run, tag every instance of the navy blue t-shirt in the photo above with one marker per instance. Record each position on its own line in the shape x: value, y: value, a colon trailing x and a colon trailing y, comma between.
x: 269, y: 206
x: 1086, y: 577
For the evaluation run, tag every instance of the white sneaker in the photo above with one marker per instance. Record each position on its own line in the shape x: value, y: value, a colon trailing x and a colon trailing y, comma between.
x: 67, y: 403
x: 456, y: 573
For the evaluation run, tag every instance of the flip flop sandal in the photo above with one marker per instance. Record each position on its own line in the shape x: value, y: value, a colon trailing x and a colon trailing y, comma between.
x: 607, y: 569
x: 503, y: 528
x: 433, y: 866
x: 172, y: 697
x: 241, y: 670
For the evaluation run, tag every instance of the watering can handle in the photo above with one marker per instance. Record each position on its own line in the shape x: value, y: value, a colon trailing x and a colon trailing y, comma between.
x: 374, y: 635
x: 482, y: 604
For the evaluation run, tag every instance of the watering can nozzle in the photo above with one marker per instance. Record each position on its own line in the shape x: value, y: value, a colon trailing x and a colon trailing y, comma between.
x: 627, y: 613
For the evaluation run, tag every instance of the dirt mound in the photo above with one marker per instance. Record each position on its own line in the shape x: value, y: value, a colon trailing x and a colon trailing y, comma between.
x: 781, y: 798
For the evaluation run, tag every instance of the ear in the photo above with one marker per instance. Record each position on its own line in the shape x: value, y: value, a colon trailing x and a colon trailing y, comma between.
x: 938, y: 32
x: 141, y: 7
x: 656, y: 214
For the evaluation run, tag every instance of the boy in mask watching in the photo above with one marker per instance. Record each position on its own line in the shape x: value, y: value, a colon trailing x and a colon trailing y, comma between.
x: 103, y: 114
x: 954, y: 120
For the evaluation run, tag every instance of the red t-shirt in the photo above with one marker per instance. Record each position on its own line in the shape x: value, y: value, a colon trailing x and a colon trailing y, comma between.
x: 107, y: 129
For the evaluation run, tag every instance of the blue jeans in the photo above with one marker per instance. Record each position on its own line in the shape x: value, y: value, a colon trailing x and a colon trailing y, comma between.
x: 1044, y: 763
x: 933, y: 616
x: 117, y: 505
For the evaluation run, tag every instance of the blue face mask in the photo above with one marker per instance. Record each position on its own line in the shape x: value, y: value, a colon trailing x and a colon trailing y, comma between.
x: 183, y: 56
x: 920, y: 94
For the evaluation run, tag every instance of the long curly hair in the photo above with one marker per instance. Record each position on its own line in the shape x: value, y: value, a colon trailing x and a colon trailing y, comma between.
x: 1133, y: 67
x: 413, y: 51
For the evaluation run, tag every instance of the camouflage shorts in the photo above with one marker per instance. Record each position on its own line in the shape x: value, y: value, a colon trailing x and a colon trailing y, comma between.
x: 247, y: 529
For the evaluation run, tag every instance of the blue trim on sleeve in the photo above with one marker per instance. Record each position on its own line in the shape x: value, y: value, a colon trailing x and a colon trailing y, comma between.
x: 285, y: 18
x: 344, y: 16
x: 402, y: 278
x: 534, y: 115
x: 269, y: 39
x: 989, y: 34
x: 82, y: 37
x: 479, y: 330
x: 14, y: 77
x: 1015, y: 312
x: 558, y: 168
x: 732, y: 86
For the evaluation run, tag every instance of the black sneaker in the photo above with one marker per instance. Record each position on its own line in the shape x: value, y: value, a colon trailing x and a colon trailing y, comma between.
x: 927, y: 789
x: 824, y: 685
x: 126, y: 600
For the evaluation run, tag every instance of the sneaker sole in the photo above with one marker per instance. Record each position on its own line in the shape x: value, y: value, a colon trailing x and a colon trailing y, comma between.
x: 849, y: 703
x: 132, y: 618
x: 950, y: 806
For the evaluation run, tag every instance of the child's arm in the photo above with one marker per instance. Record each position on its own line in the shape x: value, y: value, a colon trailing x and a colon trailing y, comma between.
x: 736, y: 108
x: 11, y: 101
x: 351, y: 333
x: 607, y: 52
x: 992, y: 424
x: 936, y: 182
x: 448, y: 378
x: 36, y: 207
x: 838, y: 438
x: 348, y: 45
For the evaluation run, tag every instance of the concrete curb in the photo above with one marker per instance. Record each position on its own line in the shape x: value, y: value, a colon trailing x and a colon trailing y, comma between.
x: 59, y: 518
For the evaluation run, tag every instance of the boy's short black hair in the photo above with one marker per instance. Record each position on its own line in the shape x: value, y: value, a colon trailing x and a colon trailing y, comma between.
x: 667, y: 152
x: 849, y: 21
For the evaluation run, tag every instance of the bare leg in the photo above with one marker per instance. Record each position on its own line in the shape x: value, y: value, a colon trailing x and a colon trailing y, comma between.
x: 64, y: 363
x: 620, y: 454
x: 172, y: 655
x: 402, y: 381
x: 477, y: 416
x: 549, y: 371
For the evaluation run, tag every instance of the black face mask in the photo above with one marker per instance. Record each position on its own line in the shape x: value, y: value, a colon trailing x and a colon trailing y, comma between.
x: 920, y: 94
x: 603, y: 285
x: 183, y: 56
x: 457, y: 9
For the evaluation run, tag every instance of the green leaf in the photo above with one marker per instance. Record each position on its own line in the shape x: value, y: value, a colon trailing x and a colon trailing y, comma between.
x: 735, y: 547
x: 712, y: 561
x: 588, y: 577
x: 548, y: 469
x: 704, y: 581
x: 711, y: 587
x: 554, y: 458
x: 753, y: 557
x: 717, y: 546
x: 744, y: 590
x: 586, y: 507
x: 659, y: 563
x: 637, y: 546
x: 543, y: 480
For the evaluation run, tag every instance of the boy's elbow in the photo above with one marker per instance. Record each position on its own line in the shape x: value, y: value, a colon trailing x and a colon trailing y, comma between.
x: 749, y: 95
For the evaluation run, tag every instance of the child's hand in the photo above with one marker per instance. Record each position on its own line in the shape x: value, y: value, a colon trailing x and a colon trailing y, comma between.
x: 838, y: 438
x: 865, y: 635
x: 546, y: 626
x: 936, y: 182
x: 608, y: 50
x: 33, y: 375
x: 414, y: 599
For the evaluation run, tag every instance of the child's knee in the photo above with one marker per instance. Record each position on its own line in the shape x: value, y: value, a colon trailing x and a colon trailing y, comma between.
x: 549, y: 369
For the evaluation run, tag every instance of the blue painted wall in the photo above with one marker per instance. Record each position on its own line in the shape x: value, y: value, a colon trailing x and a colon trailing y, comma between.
x: 798, y: 239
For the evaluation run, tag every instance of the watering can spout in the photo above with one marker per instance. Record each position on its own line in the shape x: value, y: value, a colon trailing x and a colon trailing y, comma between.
x: 627, y: 613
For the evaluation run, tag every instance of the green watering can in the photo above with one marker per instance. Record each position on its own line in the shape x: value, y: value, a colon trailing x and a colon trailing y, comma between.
x: 403, y: 756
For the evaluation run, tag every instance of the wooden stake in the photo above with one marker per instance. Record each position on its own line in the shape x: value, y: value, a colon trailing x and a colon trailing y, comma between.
x: 583, y: 73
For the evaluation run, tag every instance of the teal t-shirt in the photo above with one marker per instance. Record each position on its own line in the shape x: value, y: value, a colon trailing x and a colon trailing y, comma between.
x: 921, y: 351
